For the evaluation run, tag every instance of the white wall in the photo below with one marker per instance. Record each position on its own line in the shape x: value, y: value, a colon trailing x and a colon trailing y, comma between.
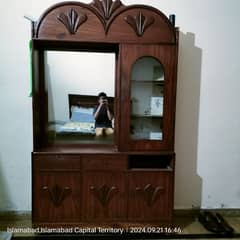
x: 208, y: 115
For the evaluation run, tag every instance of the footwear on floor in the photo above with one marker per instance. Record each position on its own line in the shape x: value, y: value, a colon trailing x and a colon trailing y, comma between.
x: 210, y: 222
x: 224, y: 224
x: 215, y: 223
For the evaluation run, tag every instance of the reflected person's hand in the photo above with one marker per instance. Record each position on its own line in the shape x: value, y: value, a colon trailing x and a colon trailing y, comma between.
x: 104, y: 103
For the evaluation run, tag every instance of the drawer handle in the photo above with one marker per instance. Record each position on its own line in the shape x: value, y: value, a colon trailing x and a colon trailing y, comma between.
x: 59, y: 157
x: 150, y: 193
x: 104, y: 193
x: 57, y: 194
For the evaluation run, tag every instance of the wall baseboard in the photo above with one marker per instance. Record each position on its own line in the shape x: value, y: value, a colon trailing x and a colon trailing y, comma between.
x: 193, y: 212
x: 184, y: 213
x: 15, y: 215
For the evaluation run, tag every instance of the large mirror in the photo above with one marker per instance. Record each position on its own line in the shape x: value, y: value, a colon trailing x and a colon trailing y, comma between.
x: 76, y: 112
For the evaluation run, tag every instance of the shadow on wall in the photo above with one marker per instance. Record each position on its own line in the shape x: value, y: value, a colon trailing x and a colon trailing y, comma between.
x: 5, y: 201
x: 188, y: 185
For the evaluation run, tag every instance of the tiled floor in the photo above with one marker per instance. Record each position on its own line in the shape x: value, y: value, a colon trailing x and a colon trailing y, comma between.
x: 187, y: 227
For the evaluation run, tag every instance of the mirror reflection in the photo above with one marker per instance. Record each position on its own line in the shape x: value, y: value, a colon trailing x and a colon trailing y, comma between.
x: 80, y: 87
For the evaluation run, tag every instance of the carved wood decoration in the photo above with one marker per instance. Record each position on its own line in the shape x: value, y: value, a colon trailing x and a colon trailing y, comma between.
x: 57, y: 194
x: 150, y: 193
x: 72, y: 20
x: 106, y: 7
x: 139, y: 23
x: 82, y: 22
x: 104, y: 193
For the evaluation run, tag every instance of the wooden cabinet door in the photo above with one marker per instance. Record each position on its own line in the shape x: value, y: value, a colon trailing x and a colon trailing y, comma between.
x: 104, y: 196
x: 150, y: 196
x: 148, y: 96
x: 56, y: 197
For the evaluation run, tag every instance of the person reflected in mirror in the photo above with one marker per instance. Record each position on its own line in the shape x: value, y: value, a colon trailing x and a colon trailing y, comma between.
x: 103, y: 116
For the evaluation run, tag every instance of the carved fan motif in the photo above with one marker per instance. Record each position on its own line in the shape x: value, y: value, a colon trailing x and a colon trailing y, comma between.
x: 139, y: 23
x: 106, y: 7
x: 150, y: 193
x: 72, y: 20
x: 104, y: 193
x: 57, y: 194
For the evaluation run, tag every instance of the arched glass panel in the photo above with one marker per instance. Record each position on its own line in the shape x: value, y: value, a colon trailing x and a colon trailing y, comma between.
x: 147, y: 97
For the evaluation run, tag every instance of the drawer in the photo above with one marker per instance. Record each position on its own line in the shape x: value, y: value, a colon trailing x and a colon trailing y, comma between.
x: 56, y: 162
x: 104, y: 162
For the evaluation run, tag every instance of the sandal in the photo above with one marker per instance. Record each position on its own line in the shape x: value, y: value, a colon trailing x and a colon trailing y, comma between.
x: 224, y: 224
x: 210, y: 222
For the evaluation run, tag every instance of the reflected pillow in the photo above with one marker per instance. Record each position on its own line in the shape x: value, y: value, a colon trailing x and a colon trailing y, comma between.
x: 81, y: 114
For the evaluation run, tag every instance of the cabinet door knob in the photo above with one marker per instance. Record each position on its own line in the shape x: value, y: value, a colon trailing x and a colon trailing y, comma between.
x: 59, y: 157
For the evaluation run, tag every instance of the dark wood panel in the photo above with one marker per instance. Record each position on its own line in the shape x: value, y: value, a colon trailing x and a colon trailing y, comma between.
x: 47, y: 44
x: 56, y: 162
x: 155, y: 29
x: 104, y: 196
x: 39, y: 98
x: 56, y: 197
x: 36, y: 97
x: 51, y: 28
x: 96, y: 23
x: 150, y: 196
x: 104, y: 162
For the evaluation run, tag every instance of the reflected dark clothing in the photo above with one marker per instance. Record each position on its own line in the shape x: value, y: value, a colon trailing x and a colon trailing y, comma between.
x: 102, y: 121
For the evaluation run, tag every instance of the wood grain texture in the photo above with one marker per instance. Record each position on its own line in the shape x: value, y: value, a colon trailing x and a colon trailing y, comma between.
x: 104, y: 21
x: 105, y: 162
x: 56, y: 162
x: 56, y: 208
x: 139, y: 23
x: 149, y: 196
x: 57, y: 194
x: 115, y: 207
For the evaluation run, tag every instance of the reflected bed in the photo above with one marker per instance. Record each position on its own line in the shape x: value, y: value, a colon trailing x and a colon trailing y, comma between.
x: 81, y: 125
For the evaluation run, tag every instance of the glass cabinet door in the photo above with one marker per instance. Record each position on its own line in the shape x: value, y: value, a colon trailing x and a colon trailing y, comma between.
x: 147, y: 99
x: 148, y: 89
